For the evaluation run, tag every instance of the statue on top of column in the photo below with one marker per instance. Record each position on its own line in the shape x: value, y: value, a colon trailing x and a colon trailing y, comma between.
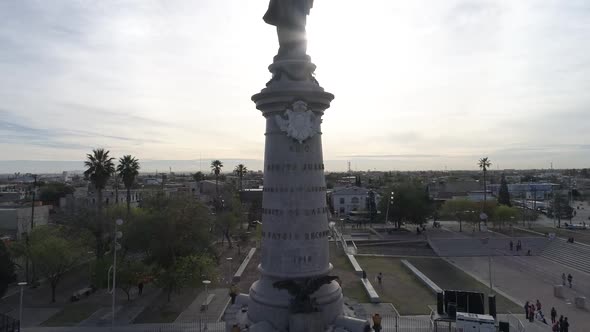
x: 290, y: 17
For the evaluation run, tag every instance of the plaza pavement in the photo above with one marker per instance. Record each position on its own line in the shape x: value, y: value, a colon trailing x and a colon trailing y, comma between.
x: 529, y: 279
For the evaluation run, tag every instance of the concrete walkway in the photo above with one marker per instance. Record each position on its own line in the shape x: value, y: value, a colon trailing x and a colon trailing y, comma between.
x: 216, y: 308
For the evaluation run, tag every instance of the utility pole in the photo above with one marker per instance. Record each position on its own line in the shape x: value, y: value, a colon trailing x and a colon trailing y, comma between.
x: 31, y: 228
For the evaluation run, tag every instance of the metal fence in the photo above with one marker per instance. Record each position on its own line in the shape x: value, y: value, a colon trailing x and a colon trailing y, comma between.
x: 9, y: 324
x: 406, y: 324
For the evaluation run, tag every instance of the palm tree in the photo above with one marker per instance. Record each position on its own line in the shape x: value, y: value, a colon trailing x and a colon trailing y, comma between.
x: 240, y: 170
x: 484, y: 163
x: 99, y: 169
x: 216, y: 166
x: 128, y: 169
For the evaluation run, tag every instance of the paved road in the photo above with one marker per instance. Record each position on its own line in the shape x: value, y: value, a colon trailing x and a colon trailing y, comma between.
x: 216, y: 308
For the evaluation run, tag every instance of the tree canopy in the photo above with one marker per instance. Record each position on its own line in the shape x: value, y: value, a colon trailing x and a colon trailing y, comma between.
x: 504, y: 194
x: 51, y: 192
x: 53, y: 253
x: 7, y: 275
x: 100, y: 167
x: 411, y: 203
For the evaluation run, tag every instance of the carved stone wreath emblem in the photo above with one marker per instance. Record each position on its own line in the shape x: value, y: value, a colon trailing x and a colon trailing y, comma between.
x: 299, y: 122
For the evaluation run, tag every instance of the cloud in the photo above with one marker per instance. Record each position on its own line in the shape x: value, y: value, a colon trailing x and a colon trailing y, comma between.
x: 14, y: 130
x: 394, y: 156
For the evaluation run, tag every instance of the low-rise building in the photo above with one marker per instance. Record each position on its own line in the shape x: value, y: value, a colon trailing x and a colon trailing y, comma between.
x: 351, y: 199
x: 16, y: 220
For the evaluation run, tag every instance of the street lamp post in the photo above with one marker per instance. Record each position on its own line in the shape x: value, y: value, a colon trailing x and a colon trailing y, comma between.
x: 229, y: 279
x: 206, y: 283
x: 20, y: 307
x: 387, y: 211
x: 487, y: 241
x: 116, y: 246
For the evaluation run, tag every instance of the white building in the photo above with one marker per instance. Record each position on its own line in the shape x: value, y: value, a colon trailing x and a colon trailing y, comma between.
x: 15, y: 221
x: 349, y: 199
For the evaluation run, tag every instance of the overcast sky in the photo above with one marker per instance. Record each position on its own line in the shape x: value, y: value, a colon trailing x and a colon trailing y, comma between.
x: 418, y: 84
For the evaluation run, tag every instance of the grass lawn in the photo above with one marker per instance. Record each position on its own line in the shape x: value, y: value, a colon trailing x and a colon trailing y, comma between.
x: 351, y: 283
x: 399, y: 286
x: 447, y: 276
x: 162, y: 311
x: 72, y: 314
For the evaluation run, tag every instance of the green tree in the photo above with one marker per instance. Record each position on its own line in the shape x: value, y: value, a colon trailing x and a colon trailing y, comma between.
x: 240, y: 170
x: 505, y: 214
x: 561, y: 208
x: 503, y: 193
x: 411, y: 203
x: 128, y: 170
x: 100, y: 167
x: 199, y: 176
x: 185, y: 271
x: 462, y: 209
x: 53, y: 253
x: 255, y: 210
x: 7, y: 275
x: 129, y: 274
x: 216, y: 166
x: 168, y: 229
x: 51, y: 192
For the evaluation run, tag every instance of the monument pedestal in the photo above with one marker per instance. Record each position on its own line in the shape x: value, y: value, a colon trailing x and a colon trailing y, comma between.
x: 294, y: 211
x: 305, y: 322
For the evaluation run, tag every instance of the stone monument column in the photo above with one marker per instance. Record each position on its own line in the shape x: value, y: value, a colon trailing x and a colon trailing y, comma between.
x: 294, y: 245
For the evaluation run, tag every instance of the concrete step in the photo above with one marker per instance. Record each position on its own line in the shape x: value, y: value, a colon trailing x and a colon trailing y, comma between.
x: 569, y: 254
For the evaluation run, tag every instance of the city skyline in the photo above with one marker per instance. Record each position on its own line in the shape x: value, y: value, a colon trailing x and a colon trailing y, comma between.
x: 418, y: 85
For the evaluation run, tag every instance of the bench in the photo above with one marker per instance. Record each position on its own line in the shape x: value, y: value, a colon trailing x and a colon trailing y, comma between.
x: 373, y: 296
x: 238, y: 276
x: 355, y: 265
x: 422, y: 277
x: 77, y: 295
x: 207, y: 302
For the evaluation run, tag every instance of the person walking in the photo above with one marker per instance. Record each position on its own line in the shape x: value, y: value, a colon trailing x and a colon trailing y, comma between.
x: 233, y: 293
x: 380, y: 278
x: 526, y: 310
x: 553, y: 315
x: 531, y: 313
x: 565, y: 327
x: 563, y: 278
x: 376, y: 322
x: 569, y: 279
x: 511, y: 245
x: 560, y: 322
x: 140, y: 287
x: 538, y: 305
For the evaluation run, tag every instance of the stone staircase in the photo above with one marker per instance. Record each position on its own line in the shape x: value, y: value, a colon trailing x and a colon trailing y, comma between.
x: 569, y: 254
x: 467, y: 247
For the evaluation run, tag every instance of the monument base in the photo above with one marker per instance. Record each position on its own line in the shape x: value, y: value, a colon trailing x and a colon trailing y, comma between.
x: 306, y: 322
x: 267, y: 303
x: 237, y: 314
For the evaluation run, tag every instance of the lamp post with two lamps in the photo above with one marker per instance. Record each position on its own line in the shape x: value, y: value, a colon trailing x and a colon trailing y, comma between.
x: 116, y: 246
